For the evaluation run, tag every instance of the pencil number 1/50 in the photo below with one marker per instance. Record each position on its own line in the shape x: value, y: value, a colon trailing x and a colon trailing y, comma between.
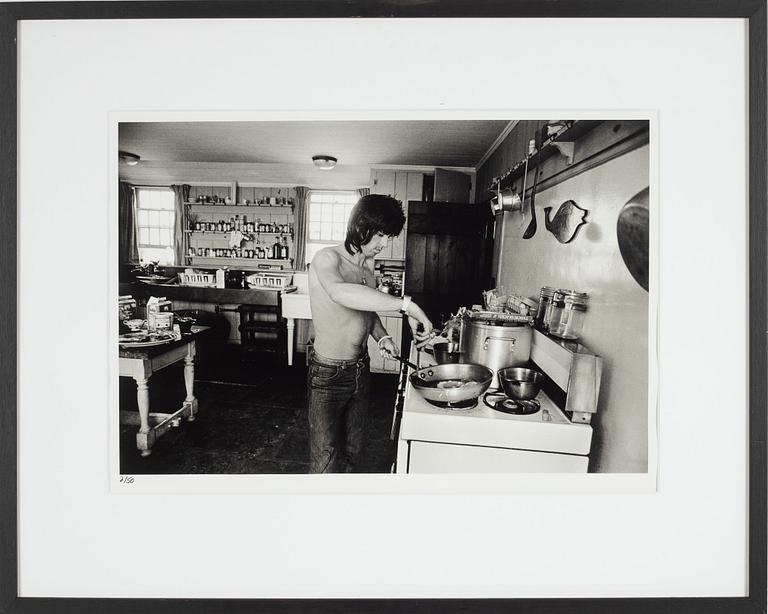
x: 126, y: 479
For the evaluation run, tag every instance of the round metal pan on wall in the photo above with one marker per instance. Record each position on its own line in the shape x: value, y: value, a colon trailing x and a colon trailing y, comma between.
x: 632, y: 234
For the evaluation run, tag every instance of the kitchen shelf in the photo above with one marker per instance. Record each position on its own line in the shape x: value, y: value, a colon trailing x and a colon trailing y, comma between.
x: 238, y: 206
x: 249, y: 232
x: 549, y: 148
x: 215, y: 260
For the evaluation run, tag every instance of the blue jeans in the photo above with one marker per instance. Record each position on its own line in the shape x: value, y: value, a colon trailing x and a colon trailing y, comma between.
x: 337, y: 392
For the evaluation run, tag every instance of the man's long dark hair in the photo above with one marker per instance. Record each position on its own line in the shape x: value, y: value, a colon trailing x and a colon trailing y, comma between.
x: 373, y: 213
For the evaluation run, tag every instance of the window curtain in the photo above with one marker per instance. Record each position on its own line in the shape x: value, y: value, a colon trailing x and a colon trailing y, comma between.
x: 300, y: 213
x: 181, y: 192
x: 128, y: 245
x: 363, y: 192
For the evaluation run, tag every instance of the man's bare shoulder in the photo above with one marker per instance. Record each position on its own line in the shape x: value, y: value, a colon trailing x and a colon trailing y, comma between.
x: 328, y: 256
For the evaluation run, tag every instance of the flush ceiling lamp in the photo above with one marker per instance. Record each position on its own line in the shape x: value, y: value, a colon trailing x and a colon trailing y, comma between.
x: 129, y: 158
x: 324, y: 163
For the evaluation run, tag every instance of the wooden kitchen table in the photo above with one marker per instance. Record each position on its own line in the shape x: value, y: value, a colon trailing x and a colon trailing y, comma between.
x: 140, y: 363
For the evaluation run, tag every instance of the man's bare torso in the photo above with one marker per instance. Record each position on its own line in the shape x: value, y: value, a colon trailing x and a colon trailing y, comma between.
x: 340, y: 332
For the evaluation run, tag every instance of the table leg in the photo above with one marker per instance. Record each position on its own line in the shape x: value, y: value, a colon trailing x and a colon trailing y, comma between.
x: 142, y: 398
x: 189, y: 381
x: 290, y: 326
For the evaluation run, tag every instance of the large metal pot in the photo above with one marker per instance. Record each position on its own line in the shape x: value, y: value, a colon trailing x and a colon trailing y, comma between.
x: 496, y: 344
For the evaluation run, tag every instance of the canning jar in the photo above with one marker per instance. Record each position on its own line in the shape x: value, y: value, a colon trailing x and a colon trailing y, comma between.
x: 568, y: 315
x: 545, y: 298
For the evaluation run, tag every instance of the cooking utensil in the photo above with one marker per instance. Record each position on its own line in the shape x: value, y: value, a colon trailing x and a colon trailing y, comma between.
x: 531, y: 230
x: 632, y: 234
x: 520, y: 383
x: 452, y: 383
x: 406, y: 362
x: 446, y: 353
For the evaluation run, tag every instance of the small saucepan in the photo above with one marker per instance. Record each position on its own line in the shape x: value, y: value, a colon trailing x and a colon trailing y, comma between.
x: 446, y: 353
x: 519, y: 383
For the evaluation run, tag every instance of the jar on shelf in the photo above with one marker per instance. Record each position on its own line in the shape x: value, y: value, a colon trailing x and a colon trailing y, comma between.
x: 570, y: 308
x: 545, y: 299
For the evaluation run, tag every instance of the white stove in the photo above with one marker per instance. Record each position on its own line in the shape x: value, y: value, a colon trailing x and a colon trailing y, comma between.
x: 482, y: 439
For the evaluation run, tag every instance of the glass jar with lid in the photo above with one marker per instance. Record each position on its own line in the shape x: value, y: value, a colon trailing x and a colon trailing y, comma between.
x: 545, y: 298
x: 570, y: 308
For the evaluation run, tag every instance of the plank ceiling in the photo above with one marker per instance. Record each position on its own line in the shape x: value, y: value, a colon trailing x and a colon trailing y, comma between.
x: 460, y: 143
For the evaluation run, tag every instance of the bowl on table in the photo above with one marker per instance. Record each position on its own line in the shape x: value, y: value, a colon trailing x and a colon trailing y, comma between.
x: 135, y: 324
x: 185, y: 324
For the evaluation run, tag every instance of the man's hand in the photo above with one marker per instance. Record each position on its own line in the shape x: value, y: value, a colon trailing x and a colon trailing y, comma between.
x: 420, y: 325
x: 388, y: 348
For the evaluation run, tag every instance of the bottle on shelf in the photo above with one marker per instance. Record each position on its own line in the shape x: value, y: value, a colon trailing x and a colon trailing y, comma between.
x: 276, y: 250
x: 284, y: 250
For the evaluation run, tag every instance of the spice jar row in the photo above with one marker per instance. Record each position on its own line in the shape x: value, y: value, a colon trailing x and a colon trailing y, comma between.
x: 277, y: 251
x: 243, y: 225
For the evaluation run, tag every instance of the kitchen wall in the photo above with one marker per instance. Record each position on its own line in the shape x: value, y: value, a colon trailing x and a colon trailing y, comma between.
x: 617, y: 321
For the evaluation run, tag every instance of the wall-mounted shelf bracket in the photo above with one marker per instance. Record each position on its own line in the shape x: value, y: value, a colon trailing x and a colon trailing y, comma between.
x: 565, y: 148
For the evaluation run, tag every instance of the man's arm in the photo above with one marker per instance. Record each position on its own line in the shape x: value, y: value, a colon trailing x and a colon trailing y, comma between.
x: 378, y: 331
x: 353, y: 296
x: 363, y: 298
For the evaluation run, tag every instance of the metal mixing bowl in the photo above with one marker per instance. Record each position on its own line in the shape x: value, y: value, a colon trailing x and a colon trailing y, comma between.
x: 452, y: 383
x: 520, y: 383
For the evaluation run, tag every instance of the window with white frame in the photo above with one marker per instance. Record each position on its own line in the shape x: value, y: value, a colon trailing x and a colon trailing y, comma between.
x: 154, y: 220
x: 327, y: 220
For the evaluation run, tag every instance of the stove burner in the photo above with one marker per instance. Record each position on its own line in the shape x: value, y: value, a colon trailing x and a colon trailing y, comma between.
x: 504, y: 404
x: 468, y: 404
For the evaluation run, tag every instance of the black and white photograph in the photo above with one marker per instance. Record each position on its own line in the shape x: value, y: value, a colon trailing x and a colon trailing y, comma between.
x: 383, y: 306
x: 384, y: 296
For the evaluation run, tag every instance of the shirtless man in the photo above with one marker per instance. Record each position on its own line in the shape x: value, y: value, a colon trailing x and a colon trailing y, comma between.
x: 344, y: 303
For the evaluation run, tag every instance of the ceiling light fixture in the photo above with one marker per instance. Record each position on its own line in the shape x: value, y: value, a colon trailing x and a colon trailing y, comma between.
x: 324, y: 163
x: 129, y: 158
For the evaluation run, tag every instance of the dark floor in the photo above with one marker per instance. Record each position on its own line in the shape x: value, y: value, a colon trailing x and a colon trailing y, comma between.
x: 252, y: 418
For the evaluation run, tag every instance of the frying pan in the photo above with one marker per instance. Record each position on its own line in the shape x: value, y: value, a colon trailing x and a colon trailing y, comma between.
x: 632, y: 234
x: 452, y: 383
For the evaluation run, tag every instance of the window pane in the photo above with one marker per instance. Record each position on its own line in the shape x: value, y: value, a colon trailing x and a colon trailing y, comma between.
x: 315, y: 212
x: 338, y: 213
x: 143, y: 236
x: 327, y: 212
x: 164, y: 219
x: 154, y: 218
x: 326, y: 231
x: 154, y: 236
x: 165, y: 236
x: 143, y: 218
x: 165, y: 199
x: 338, y: 232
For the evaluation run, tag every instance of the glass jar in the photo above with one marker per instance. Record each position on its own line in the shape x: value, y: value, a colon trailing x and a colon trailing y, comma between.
x: 545, y: 298
x: 570, y: 313
x: 553, y: 311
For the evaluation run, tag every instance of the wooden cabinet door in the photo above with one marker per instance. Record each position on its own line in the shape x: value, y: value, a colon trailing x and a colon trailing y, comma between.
x: 451, y: 186
x: 448, y: 256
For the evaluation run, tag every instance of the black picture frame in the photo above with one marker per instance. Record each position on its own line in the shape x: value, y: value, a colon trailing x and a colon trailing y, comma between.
x: 752, y: 10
